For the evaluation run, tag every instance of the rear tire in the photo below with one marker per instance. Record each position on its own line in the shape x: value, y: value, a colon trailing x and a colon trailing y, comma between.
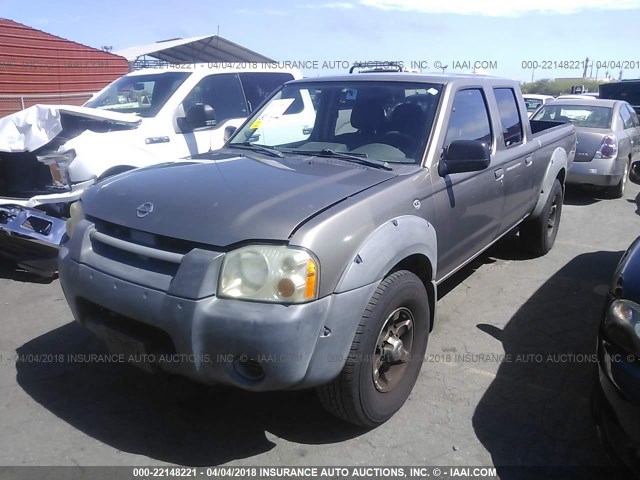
x: 537, y: 236
x: 617, y: 191
x: 386, y: 354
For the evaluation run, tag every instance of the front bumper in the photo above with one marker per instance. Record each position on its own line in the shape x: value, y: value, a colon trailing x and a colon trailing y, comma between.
x: 168, y: 325
x: 32, y: 225
x: 20, y: 219
x: 600, y: 172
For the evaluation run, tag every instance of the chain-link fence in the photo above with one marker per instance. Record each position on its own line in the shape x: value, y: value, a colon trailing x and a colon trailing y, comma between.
x: 14, y: 103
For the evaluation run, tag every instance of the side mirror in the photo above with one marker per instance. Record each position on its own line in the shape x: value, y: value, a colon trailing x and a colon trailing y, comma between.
x: 465, y: 156
x: 634, y: 172
x: 229, y: 131
x: 200, y: 115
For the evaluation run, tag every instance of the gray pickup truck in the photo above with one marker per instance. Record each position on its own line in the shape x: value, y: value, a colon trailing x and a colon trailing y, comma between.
x: 308, y: 254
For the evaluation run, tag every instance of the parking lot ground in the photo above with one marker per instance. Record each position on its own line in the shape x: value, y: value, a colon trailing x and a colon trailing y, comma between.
x: 507, y: 378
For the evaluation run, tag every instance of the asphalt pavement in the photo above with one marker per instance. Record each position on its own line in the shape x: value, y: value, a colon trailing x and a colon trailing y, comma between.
x: 507, y: 379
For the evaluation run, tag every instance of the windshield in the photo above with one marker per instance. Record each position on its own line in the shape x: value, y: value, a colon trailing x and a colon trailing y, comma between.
x: 580, y: 115
x: 386, y: 121
x: 143, y: 95
x: 532, y: 103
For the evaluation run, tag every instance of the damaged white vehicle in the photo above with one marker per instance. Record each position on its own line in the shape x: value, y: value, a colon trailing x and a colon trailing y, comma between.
x: 50, y: 154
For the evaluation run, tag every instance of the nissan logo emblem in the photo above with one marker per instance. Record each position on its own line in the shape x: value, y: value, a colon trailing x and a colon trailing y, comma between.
x: 145, y: 209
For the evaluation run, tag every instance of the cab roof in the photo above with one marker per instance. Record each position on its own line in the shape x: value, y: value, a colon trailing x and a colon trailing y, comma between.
x: 438, y: 78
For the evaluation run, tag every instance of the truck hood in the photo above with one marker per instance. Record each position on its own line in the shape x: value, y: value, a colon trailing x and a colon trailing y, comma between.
x: 228, y: 198
x: 32, y: 128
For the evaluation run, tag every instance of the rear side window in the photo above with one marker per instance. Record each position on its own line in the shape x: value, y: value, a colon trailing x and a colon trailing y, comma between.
x: 634, y: 115
x: 627, y: 121
x: 625, y: 117
x: 259, y: 85
x: 469, y: 118
x: 509, y: 116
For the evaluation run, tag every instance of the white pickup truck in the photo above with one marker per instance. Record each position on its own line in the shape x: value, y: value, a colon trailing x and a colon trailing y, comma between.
x: 50, y: 154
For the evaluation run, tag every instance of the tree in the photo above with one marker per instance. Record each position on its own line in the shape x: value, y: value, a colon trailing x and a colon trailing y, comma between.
x: 559, y: 86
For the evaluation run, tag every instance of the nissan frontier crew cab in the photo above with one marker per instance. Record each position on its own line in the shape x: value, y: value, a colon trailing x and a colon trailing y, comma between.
x: 310, y: 255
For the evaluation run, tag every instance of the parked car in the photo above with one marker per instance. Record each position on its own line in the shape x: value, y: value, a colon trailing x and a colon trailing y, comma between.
x: 534, y: 102
x: 617, y: 395
x: 50, y: 154
x: 626, y: 90
x: 315, y: 262
x: 608, y: 140
x: 574, y: 96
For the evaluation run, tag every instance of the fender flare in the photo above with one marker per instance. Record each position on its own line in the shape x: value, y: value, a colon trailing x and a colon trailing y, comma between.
x: 392, y: 242
x: 557, y: 164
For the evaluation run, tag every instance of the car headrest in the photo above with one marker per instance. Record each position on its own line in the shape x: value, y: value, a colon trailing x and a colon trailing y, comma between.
x: 367, y: 116
x: 406, y: 118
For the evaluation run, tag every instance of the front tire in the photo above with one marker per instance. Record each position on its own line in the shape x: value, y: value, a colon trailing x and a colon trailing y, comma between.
x: 386, y: 354
x: 538, y: 235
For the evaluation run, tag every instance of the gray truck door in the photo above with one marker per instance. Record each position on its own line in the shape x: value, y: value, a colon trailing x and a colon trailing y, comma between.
x: 468, y: 205
x: 515, y: 158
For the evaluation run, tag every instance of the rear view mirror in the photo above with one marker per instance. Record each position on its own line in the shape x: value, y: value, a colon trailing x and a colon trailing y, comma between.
x: 634, y: 173
x: 138, y: 87
x: 200, y: 115
x: 464, y: 156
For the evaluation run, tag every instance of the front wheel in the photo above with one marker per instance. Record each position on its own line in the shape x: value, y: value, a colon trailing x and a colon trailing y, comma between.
x: 386, y: 354
x: 538, y: 235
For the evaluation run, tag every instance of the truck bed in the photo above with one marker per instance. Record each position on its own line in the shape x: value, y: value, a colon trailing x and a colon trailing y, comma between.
x: 539, y: 126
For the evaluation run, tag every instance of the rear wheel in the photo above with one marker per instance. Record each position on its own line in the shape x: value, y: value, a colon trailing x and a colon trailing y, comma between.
x: 538, y: 235
x: 386, y: 354
x: 617, y: 191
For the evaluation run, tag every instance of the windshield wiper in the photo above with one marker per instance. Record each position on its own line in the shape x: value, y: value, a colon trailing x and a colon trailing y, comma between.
x: 359, y: 158
x: 259, y: 148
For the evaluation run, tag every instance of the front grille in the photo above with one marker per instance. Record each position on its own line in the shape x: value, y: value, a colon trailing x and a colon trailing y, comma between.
x: 129, y: 247
x: 146, y: 239
x: 134, y: 260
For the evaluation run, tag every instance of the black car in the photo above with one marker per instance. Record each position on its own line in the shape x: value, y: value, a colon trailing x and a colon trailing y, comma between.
x: 617, y: 398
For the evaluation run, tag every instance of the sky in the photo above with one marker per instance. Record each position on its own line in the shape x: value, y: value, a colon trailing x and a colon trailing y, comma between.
x: 509, y: 38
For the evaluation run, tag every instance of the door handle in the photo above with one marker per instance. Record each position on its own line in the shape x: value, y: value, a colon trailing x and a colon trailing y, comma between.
x: 528, y: 161
x: 499, y: 173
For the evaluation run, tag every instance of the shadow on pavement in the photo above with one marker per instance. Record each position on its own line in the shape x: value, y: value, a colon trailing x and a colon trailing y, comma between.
x: 11, y: 271
x: 636, y: 202
x: 581, y: 196
x: 507, y: 248
x: 536, y: 412
x: 160, y: 416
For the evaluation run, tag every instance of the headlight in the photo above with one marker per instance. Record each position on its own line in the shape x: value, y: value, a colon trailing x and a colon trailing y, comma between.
x: 76, y: 213
x: 269, y: 273
x: 622, y: 325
